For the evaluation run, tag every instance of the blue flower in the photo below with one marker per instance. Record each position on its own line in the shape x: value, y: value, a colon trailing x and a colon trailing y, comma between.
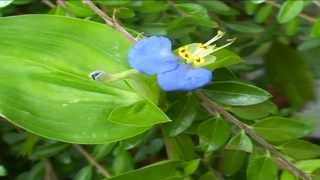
x: 153, y: 55
x: 184, y: 78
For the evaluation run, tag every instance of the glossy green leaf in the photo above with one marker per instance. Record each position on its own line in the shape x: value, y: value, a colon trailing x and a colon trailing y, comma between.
x: 261, y: 167
x: 300, y: 149
x: 280, y: 129
x: 315, y: 32
x: 240, y: 142
x: 84, y: 173
x: 232, y: 161
x: 263, y: 13
x: 289, y: 10
x: 5, y: 3
x: 289, y: 74
x: 183, y: 113
x: 45, y: 86
x: 162, y: 170
x: 245, y: 27
x: 223, y: 58
x: 254, y: 112
x: 308, y: 166
x: 214, y: 133
x: 235, y: 93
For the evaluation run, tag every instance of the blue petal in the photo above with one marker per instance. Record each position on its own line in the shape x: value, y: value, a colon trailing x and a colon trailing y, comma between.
x: 184, y: 78
x: 153, y: 55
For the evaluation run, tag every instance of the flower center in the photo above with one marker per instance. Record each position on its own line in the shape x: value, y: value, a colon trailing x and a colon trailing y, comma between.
x: 196, y: 53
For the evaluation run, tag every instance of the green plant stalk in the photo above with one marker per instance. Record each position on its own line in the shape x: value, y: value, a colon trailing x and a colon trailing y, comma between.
x: 119, y: 76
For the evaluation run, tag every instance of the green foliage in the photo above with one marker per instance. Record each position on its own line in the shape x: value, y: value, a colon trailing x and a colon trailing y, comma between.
x: 289, y: 10
x: 94, y: 107
x: 236, y: 93
x: 261, y: 167
x: 132, y: 129
x: 162, y: 170
x: 280, y: 129
x: 213, y: 133
x: 300, y: 149
x: 288, y: 72
x: 240, y: 142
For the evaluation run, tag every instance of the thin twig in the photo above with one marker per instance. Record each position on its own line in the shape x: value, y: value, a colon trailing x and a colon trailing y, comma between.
x: 48, y: 3
x: 302, y: 15
x: 92, y: 161
x: 110, y: 21
x: 49, y: 171
x: 61, y: 3
x: 213, y: 107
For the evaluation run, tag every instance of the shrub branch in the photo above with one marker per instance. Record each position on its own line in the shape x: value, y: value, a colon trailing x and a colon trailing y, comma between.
x: 213, y: 107
x: 92, y: 161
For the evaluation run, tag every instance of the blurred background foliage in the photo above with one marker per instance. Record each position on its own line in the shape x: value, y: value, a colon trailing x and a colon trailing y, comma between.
x: 280, y: 42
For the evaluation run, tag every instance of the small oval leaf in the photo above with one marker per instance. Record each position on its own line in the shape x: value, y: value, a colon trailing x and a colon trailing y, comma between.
x: 236, y: 93
x: 280, y: 129
x: 289, y: 10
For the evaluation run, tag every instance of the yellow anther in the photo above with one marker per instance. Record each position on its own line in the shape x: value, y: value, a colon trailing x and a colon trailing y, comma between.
x: 185, y: 54
x: 198, y: 61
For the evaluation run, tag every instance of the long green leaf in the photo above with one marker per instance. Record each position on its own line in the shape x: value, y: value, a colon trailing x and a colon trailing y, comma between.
x: 45, y: 88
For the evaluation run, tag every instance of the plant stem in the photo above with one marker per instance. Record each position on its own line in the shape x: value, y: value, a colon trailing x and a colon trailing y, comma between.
x: 48, y: 3
x: 49, y: 171
x: 92, y: 161
x: 213, y: 107
x: 110, y: 21
x: 317, y: 3
x: 302, y: 15
x: 121, y: 75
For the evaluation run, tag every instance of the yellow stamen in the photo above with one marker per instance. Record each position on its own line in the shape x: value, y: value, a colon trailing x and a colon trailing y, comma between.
x: 230, y: 41
x: 219, y: 35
